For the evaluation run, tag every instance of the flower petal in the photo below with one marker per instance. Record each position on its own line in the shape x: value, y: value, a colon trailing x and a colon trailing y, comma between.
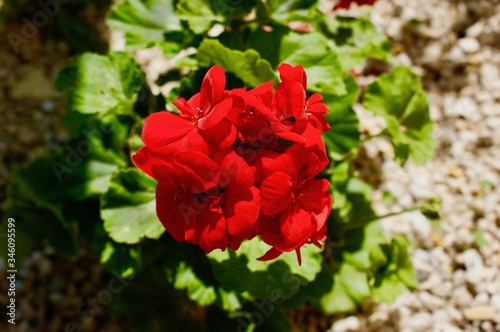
x: 211, y: 230
x: 216, y: 115
x: 146, y: 158
x: 276, y: 193
x: 173, y: 208
x: 212, y: 87
x: 162, y: 128
x: 199, y: 173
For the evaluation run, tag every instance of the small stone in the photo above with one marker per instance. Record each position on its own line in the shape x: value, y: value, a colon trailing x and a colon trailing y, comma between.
x: 461, y: 297
x: 443, y: 290
x: 473, y: 262
x: 480, y: 313
x: 47, y: 105
x: 495, y: 301
x: 469, y: 45
x: 446, y: 327
x: 422, y: 228
x: 456, y: 55
x: 481, y: 299
x: 420, y: 322
x: 431, y: 302
x: 486, y: 326
x: 432, y: 54
x: 348, y: 324
x: 454, y: 314
x: 34, y: 85
x: 463, y: 106
x: 475, y: 30
x: 378, y: 318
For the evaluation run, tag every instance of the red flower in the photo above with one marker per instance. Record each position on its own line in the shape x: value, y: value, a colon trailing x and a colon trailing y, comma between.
x: 202, y: 123
x: 294, y: 204
x: 345, y: 4
x: 240, y: 163
x: 200, y: 201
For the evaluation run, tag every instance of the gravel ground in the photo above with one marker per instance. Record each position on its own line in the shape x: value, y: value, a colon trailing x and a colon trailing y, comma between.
x: 454, y: 46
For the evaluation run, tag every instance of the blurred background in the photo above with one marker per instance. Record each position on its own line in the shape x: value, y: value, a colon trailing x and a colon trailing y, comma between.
x: 454, y: 45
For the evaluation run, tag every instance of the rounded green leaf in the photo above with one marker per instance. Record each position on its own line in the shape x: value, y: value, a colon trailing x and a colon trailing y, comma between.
x: 128, y: 208
x: 279, y: 278
x: 398, y: 97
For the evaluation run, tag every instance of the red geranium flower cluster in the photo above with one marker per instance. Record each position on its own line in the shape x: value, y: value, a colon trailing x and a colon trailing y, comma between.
x: 239, y: 163
x: 345, y: 4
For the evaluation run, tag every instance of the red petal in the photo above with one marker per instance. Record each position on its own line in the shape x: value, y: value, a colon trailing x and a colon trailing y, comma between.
x: 162, y: 128
x: 297, y: 102
x: 276, y: 193
x: 212, y: 87
x: 296, y: 228
x: 299, y: 257
x: 264, y: 92
x: 211, y: 230
x: 315, y: 195
x: 235, y: 173
x: 199, y: 173
x: 216, y: 115
x: 184, y: 107
x: 242, y: 211
x: 146, y: 158
x: 194, y: 141
x: 221, y: 136
x: 289, y: 74
x: 174, y: 211
x: 271, y: 254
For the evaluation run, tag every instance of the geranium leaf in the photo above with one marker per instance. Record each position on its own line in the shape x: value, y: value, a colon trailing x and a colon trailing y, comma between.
x: 284, y: 11
x: 344, y: 134
x: 398, y: 97
x: 185, y: 278
x: 311, y: 50
x: 356, y: 39
x: 391, y: 270
x: 103, y: 85
x: 128, y: 207
x: 350, y: 288
x: 279, y: 278
x: 199, y: 14
x: 144, y: 22
x: 247, y: 65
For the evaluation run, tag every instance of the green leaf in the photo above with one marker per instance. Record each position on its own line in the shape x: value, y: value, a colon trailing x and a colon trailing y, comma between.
x: 356, y: 196
x: 148, y: 289
x: 35, y: 199
x: 339, y: 181
x: 431, y: 209
x: 248, y: 65
x: 279, y: 278
x: 351, y: 265
x: 274, y: 320
x: 357, y: 39
x: 128, y: 208
x: 399, y: 98
x: 344, y: 134
x: 144, y: 22
x: 123, y: 259
x: 391, y: 270
x: 199, y: 14
x: 314, y: 290
x: 284, y: 11
x: 103, y: 85
x: 185, y: 278
x: 311, y: 50
x: 350, y: 288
